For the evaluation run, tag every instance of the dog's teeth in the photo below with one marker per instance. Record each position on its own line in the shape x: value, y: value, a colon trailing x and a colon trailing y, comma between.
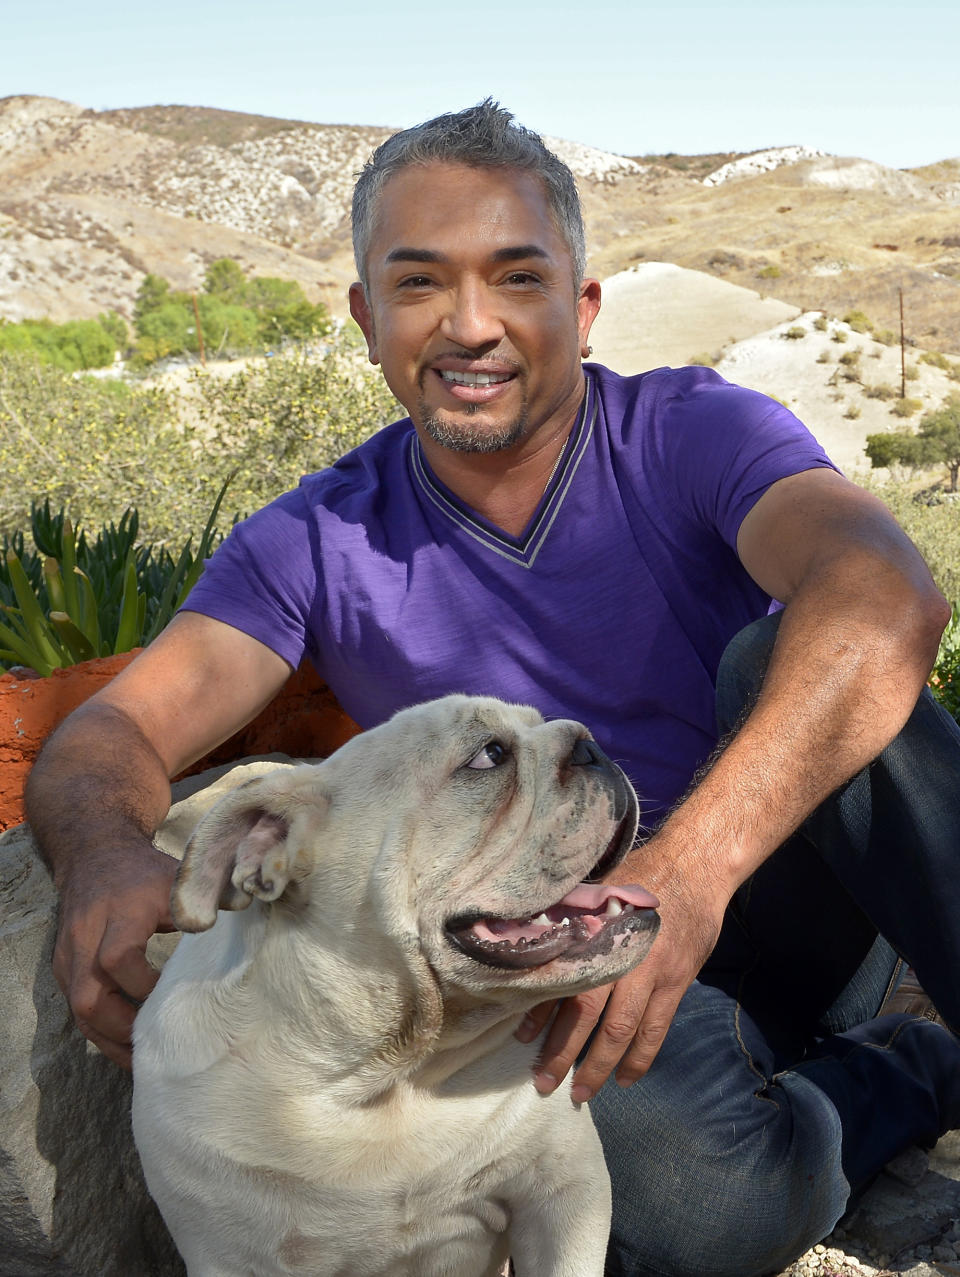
x: 614, y: 907
x: 628, y: 908
x: 565, y: 922
x: 542, y: 921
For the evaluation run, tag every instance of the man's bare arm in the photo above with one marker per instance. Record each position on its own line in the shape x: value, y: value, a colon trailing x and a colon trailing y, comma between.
x: 100, y: 789
x: 857, y: 640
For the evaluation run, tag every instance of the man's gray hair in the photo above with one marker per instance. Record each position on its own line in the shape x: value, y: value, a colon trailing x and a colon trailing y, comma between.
x: 482, y: 136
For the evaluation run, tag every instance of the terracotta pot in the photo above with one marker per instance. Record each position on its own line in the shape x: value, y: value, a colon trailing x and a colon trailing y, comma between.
x: 304, y: 720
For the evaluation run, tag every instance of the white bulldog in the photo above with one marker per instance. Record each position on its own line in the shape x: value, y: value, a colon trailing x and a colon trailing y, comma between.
x: 328, y: 1083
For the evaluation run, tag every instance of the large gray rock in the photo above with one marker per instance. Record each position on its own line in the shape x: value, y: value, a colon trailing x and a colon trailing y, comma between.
x: 72, y: 1197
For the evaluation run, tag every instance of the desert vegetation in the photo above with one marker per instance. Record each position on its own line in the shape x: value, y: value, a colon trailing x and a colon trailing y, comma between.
x: 112, y: 494
x: 936, y: 442
x: 232, y: 315
x: 77, y: 345
x: 95, y: 446
x: 133, y: 484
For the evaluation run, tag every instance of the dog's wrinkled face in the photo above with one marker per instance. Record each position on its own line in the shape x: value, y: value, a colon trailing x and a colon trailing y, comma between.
x: 541, y: 816
x: 466, y: 826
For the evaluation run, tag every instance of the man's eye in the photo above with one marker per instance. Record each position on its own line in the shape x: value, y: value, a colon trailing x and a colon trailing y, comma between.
x: 522, y: 277
x: 492, y: 755
x: 415, y: 281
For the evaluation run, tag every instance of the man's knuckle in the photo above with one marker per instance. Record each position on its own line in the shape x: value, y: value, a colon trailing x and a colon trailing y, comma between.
x: 83, y: 1007
x: 619, y: 1030
x: 115, y: 951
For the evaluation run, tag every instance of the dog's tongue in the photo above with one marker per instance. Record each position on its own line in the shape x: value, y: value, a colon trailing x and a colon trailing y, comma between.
x: 595, y: 895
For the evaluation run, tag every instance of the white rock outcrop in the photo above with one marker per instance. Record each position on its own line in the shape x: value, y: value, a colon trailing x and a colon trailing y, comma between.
x: 761, y: 162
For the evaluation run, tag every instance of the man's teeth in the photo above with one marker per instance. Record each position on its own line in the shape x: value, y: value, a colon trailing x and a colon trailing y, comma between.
x: 474, y: 378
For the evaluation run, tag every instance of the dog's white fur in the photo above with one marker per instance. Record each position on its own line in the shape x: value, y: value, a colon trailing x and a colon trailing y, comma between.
x: 325, y: 1083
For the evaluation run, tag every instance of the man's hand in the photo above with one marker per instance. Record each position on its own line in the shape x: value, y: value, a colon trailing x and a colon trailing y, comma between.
x: 110, y: 907
x: 635, y: 1013
x: 100, y: 788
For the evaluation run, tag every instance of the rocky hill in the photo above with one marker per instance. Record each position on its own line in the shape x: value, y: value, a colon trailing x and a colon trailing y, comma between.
x: 90, y: 201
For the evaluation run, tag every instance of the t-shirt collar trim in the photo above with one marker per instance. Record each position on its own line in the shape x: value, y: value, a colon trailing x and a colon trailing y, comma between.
x: 521, y: 550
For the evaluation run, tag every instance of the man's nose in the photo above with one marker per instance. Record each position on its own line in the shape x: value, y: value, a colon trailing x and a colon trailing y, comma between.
x: 471, y: 318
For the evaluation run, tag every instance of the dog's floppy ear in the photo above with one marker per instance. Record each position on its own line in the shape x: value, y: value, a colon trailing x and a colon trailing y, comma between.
x: 239, y: 850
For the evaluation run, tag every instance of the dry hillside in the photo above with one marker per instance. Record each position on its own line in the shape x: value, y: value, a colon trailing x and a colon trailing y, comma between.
x: 89, y: 201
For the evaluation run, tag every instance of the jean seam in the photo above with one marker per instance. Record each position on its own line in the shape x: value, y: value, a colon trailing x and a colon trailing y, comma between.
x: 854, y: 1048
x: 761, y: 1093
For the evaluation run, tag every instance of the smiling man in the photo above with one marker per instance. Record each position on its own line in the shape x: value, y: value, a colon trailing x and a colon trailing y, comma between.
x: 613, y: 550
x: 469, y: 315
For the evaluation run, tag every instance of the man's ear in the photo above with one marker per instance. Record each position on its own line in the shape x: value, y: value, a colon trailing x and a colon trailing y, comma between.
x: 360, y: 310
x: 588, y: 306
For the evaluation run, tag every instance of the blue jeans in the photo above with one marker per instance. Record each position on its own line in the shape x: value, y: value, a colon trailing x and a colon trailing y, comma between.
x: 776, y: 1095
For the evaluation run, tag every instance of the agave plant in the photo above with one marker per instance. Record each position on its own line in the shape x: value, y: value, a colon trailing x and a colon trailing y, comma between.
x: 74, y: 598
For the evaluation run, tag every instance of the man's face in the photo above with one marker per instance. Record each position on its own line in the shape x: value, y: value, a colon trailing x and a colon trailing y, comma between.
x: 472, y: 310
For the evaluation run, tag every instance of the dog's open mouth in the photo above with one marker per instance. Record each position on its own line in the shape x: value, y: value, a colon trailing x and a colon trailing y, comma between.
x: 589, y: 920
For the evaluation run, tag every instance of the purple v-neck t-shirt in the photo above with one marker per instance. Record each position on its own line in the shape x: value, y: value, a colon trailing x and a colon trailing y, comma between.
x: 613, y: 607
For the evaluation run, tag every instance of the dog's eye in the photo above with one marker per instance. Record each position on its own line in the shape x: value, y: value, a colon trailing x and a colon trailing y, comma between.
x: 492, y: 755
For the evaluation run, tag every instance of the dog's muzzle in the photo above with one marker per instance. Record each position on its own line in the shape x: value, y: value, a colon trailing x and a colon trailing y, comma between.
x: 589, y: 920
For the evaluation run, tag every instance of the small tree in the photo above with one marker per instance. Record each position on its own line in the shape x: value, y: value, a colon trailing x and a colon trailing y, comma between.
x: 940, y: 433
x: 154, y: 292
x: 936, y: 442
x: 885, y: 450
x: 225, y: 279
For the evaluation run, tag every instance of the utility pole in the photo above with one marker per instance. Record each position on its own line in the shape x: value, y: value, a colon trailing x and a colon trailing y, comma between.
x: 903, y: 351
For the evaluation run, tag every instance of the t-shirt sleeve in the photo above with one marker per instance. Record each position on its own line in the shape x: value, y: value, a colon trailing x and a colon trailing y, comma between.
x: 719, y: 447
x: 262, y: 578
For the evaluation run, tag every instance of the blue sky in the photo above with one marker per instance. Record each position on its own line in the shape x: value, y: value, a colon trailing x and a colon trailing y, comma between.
x: 877, y: 80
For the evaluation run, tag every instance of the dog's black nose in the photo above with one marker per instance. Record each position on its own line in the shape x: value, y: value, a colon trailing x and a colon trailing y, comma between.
x: 587, y: 753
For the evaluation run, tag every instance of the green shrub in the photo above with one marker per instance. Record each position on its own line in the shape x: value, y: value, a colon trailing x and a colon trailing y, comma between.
x: 71, y: 598
x: 937, y: 360
x: 887, y: 336
x: 858, y: 321
x: 769, y: 272
x: 820, y: 323
x: 881, y: 390
x: 237, y: 315
x: 849, y: 365
x: 97, y: 446
x: 839, y: 334
x: 906, y: 407
x: 94, y: 446
x: 75, y: 346
x: 164, y: 331
x: 936, y: 441
x: 795, y: 333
